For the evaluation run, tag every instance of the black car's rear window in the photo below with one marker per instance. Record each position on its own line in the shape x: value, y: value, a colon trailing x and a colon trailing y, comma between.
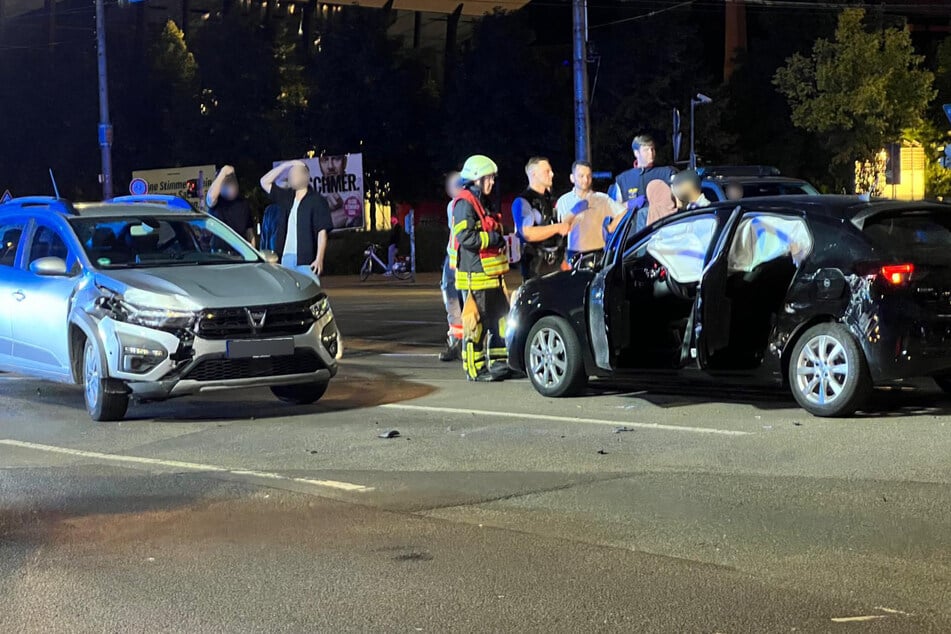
x: 918, y: 236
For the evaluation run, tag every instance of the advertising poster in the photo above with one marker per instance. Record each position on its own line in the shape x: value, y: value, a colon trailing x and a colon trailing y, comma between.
x: 339, y: 178
x: 176, y: 181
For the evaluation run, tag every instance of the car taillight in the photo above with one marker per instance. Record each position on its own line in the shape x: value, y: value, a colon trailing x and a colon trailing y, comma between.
x: 897, y: 274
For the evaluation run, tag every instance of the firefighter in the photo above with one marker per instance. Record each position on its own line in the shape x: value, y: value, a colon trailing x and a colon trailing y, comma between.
x: 481, y: 265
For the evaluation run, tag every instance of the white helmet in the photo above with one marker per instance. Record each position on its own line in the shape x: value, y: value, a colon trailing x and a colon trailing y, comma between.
x: 477, y: 166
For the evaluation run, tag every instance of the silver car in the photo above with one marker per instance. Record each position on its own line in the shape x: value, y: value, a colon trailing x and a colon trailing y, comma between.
x: 145, y: 297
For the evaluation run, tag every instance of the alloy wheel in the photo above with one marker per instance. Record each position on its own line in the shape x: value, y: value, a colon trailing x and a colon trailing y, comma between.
x: 548, y: 358
x: 822, y: 370
x: 91, y: 375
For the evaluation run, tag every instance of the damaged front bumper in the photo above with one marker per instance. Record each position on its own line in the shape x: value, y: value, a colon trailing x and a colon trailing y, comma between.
x: 157, y: 365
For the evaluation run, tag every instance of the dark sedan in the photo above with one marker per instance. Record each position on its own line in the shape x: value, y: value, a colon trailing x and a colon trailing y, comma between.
x: 828, y: 294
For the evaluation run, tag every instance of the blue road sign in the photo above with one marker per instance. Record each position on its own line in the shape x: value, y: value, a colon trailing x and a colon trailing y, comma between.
x: 138, y: 187
x: 947, y: 110
x: 7, y: 197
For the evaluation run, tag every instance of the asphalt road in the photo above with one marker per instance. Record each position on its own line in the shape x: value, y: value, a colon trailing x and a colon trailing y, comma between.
x: 495, y: 510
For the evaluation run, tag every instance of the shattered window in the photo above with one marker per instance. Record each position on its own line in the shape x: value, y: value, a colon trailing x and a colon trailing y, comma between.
x: 762, y: 238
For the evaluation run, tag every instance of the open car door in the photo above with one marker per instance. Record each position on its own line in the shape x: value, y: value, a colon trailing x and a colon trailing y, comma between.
x: 743, y: 286
x: 608, y: 309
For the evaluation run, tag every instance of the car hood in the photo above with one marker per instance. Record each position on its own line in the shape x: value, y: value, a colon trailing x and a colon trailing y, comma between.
x: 209, y: 286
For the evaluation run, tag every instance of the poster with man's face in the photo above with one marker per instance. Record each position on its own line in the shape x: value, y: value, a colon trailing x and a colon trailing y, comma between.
x: 339, y: 178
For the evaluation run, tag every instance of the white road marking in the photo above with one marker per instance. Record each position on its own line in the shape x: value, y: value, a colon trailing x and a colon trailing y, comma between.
x: 858, y: 619
x: 893, y: 611
x: 565, y: 419
x: 187, y: 466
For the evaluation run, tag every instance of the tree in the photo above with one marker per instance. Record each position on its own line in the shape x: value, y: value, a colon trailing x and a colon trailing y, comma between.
x: 859, y: 91
x: 506, y: 99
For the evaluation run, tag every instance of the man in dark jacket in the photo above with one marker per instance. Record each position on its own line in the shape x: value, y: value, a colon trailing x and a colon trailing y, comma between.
x: 630, y: 187
x: 303, y: 229
x: 481, y: 265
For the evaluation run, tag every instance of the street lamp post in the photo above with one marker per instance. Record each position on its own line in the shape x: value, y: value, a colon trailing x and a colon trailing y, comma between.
x: 700, y: 100
x: 105, y: 128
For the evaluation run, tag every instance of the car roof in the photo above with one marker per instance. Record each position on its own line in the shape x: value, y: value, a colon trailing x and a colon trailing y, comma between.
x: 165, y: 206
x: 835, y: 206
x: 753, y: 179
x: 117, y: 210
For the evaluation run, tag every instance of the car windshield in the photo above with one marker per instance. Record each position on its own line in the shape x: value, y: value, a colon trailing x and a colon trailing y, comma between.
x: 150, y: 241
x: 921, y: 235
x: 760, y: 189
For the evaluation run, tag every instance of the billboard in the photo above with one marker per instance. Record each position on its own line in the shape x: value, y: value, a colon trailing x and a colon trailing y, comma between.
x: 176, y: 181
x: 339, y: 178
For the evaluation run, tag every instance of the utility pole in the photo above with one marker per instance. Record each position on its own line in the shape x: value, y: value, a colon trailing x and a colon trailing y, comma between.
x: 580, y: 63
x: 105, y: 128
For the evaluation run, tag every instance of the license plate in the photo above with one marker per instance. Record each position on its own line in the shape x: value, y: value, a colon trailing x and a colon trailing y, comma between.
x: 258, y: 348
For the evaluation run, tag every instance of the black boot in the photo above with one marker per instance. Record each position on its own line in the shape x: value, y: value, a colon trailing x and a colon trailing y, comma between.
x: 453, y: 351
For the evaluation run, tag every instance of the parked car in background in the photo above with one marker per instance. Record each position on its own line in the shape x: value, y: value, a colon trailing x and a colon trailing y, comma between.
x: 146, y: 297
x: 828, y: 295
x: 750, y: 181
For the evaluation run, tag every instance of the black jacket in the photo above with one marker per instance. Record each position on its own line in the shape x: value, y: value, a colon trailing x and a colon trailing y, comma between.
x: 313, y: 216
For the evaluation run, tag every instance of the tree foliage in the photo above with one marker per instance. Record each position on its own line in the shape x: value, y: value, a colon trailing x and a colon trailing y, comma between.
x: 860, y: 90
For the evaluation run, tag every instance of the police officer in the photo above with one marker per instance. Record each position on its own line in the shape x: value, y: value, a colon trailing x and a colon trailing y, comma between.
x: 630, y: 187
x: 481, y: 264
x: 535, y: 223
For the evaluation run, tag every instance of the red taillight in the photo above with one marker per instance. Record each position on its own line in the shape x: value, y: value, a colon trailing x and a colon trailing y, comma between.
x: 897, y: 273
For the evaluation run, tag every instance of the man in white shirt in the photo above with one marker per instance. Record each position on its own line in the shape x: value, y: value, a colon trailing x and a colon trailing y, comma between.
x: 585, y: 211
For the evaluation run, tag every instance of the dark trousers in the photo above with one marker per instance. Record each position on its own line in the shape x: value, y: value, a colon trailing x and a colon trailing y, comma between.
x: 484, y: 350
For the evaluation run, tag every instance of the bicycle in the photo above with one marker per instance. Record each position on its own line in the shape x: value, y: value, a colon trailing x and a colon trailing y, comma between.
x: 401, y: 270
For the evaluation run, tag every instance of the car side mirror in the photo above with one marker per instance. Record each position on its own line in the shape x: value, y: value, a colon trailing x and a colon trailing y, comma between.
x: 49, y: 267
x: 270, y: 257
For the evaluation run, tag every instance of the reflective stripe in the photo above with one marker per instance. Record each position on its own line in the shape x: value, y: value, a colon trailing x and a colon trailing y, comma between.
x: 484, y: 239
x: 496, y: 265
x: 476, y: 281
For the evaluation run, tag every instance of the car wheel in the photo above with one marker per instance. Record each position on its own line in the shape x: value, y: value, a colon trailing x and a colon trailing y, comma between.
x: 106, y: 399
x: 300, y: 394
x: 553, y: 358
x: 828, y: 374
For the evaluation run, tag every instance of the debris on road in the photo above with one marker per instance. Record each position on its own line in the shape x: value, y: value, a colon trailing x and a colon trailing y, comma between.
x: 602, y: 452
x: 618, y: 430
x: 391, y: 433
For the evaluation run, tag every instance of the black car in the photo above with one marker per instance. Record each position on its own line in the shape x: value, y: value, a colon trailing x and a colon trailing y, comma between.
x: 828, y: 294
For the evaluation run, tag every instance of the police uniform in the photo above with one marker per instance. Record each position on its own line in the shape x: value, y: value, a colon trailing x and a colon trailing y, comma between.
x: 532, y: 209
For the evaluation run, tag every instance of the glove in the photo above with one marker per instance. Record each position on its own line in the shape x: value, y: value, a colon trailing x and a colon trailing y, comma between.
x: 637, y: 203
x: 581, y: 206
x: 489, y: 224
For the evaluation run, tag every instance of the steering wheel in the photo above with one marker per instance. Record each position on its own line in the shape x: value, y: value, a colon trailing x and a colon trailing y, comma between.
x: 686, y: 292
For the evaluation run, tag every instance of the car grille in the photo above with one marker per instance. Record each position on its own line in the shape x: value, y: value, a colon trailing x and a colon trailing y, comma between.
x: 301, y: 362
x: 234, y: 323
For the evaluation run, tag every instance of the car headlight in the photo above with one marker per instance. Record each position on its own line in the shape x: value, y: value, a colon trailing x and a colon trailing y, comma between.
x: 157, y: 318
x: 320, y: 308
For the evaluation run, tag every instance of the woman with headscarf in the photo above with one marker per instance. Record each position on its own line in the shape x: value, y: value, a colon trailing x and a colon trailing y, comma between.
x: 660, y: 201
